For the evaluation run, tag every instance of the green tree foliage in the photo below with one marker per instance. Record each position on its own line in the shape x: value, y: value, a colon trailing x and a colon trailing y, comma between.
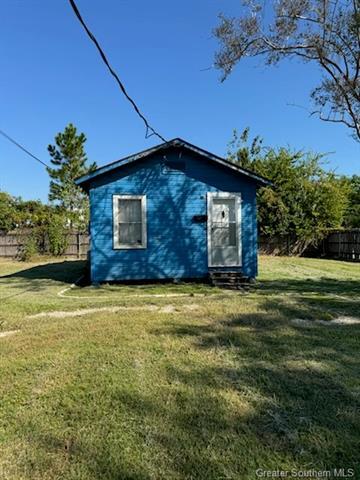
x: 46, y: 225
x: 352, y: 214
x: 305, y: 199
x: 32, y: 213
x: 57, y: 235
x: 8, y: 212
x: 69, y: 160
x: 320, y: 32
x: 16, y: 213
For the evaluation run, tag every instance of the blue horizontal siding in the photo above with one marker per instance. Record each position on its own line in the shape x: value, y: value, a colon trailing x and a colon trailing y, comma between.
x: 176, y: 247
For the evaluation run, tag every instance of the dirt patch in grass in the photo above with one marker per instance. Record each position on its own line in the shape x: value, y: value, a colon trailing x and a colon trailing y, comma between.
x: 346, y: 321
x: 89, y: 311
x: 8, y: 333
x: 302, y: 322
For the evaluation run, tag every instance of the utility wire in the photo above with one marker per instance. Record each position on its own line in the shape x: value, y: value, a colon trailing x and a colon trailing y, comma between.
x: 149, y: 128
x: 22, y: 148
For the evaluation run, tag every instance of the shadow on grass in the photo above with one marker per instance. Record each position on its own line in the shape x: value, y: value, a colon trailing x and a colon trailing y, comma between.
x: 240, y: 397
x: 66, y: 272
x: 245, y: 391
x: 324, y: 286
x: 296, y: 382
x: 320, y: 299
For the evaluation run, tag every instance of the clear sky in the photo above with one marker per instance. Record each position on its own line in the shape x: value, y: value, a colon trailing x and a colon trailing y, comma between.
x: 52, y: 75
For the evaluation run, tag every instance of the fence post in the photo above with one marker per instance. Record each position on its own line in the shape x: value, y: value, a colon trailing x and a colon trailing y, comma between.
x: 78, y: 245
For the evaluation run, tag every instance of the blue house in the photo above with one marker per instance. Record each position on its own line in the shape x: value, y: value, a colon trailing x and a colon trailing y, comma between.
x: 174, y: 211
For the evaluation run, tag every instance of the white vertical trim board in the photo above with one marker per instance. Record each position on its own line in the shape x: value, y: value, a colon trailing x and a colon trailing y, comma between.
x: 116, y: 244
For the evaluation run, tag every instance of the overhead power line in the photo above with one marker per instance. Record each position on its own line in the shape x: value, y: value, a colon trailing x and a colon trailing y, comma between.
x: 149, y: 128
x: 22, y: 148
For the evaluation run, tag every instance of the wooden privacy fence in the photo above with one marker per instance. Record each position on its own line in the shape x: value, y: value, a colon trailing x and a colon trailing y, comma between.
x: 339, y: 244
x: 344, y: 245
x: 12, y: 243
x: 276, y: 245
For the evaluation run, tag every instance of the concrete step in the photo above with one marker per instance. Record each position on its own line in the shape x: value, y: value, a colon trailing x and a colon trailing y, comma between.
x: 229, y: 279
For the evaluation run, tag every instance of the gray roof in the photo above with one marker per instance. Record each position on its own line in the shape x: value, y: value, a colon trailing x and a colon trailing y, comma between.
x: 85, y: 180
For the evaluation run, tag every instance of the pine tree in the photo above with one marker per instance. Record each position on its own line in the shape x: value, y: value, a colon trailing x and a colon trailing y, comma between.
x: 70, y: 161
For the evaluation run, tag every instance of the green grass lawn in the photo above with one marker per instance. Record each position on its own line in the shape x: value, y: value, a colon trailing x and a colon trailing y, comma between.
x: 128, y: 383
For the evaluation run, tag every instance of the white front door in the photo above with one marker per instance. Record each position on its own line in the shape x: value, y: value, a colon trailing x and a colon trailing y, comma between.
x: 224, y: 229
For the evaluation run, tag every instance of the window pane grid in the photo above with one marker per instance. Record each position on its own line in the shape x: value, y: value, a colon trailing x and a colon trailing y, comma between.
x: 224, y: 223
x: 129, y: 222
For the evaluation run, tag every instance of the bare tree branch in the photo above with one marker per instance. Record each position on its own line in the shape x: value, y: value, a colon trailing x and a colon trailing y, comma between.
x: 318, y: 31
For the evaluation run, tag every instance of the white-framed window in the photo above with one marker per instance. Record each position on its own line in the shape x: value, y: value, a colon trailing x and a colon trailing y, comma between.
x: 129, y: 220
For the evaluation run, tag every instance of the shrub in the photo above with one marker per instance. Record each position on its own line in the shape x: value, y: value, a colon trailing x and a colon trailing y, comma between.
x: 57, y: 235
x: 29, y: 249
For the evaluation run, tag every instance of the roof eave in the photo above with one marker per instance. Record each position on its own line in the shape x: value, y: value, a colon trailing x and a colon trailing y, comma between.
x: 177, y: 142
